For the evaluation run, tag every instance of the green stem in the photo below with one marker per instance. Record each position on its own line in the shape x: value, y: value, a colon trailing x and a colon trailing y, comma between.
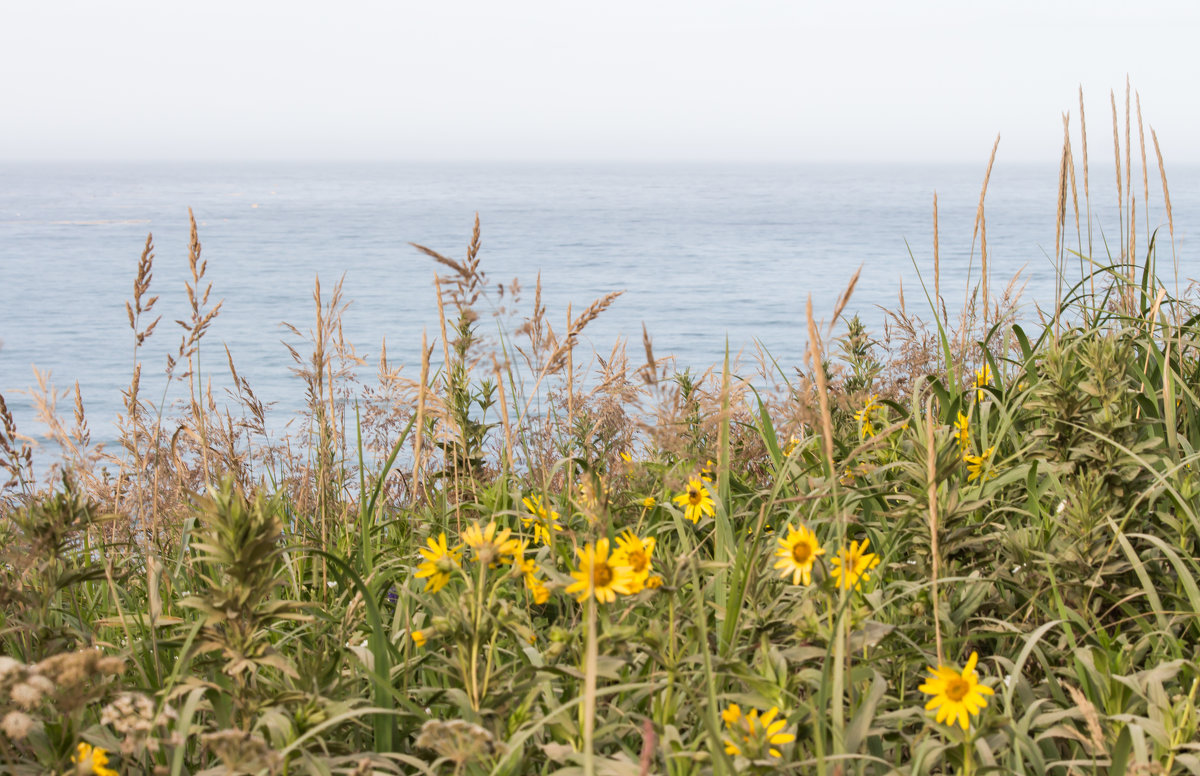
x: 477, y: 621
x: 1176, y: 738
x: 838, y: 712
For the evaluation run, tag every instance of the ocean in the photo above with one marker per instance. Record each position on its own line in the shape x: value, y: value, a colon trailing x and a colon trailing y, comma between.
x: 708, y: 256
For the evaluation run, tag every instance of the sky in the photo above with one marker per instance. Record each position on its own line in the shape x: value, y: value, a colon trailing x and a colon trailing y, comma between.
x: 526, y: 80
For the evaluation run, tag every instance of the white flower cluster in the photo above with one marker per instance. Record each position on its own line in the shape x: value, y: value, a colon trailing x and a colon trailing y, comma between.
x: 56, y: 680
x: 458, y: 740
x: 25, y: 688
x: 134, y: 717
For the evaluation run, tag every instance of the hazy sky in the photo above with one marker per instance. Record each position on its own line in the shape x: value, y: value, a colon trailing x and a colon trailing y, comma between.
x: 566, y: 80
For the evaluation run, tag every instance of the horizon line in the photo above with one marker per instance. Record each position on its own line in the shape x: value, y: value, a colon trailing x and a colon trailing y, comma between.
x: 555, y: 161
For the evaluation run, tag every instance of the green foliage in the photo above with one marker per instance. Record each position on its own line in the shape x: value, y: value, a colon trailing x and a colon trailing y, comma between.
x: 46, y: 555
x: 1042, y: 516
x: 239, y: 559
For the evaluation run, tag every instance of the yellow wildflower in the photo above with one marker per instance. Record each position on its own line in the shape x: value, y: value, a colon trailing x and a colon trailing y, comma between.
x: 440, y: 563
x: 599, y: 576
x: 853, y: 565
x: 491, y: 548
x: 752, y: 736
x: 956, y: 696
x: 978, y: 466
x: 866, y: 425
x: 797, y: 553
x: 419, y: 638
x: 637, y: 554
x: 983, y: 376
x: 94, y: 759
x: 541, y: 593
x: 521, y: 564
x: 528, y: 568
x: 696, y: 501
x: 542, y: 519
x: 962, y: 431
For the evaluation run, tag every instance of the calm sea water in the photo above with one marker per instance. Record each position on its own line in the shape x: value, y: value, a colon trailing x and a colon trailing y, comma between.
x: 704, y: 254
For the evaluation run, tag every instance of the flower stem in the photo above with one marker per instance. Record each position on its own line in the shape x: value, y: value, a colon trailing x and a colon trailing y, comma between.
x: 591, y: 659
x: 475, y: 695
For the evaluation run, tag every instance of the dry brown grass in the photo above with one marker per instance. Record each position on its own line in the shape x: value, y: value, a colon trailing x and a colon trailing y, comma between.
x: 1117, y: 160
x: 549, y: 401
x: 16, y: 457
x: 1162, y: 171
x: 553, y: 405
x: 1087, y: 193
x: 937, y: 264
x: 980, y: 231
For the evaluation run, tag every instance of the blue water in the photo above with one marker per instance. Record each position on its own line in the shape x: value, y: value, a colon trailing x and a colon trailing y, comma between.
x: 704, y: 254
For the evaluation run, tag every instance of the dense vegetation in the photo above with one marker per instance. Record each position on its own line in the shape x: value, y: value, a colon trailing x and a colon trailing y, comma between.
x: 969, y: 546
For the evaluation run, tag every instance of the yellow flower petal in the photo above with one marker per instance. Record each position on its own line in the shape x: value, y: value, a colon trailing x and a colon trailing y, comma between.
x: 957, y: 696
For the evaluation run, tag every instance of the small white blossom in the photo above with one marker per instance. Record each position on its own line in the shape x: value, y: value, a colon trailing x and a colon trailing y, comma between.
x: 9, y: 666
x: 16, y: 725
x: 25, y: 695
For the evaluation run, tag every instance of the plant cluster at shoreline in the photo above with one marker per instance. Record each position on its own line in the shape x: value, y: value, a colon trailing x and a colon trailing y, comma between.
x: 972, y: 548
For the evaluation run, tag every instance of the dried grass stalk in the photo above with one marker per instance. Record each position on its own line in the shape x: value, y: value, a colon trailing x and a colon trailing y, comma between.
x: 1060, y: 215
x: 818, y: 370
x: 650, y: 369
x: 1117, y: 160
x: 505, y: 420
x: 1129, y: 190
x: 937, y: 268
x: 1087, y: 196
x: 983, y: 191
x: 559, y: 356
x: 844, y: 298
x: 1145, y: 172
x: 1162, y: 173
x: 1096, y: 738
x: 419, y: 425
x: 979, y: 222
